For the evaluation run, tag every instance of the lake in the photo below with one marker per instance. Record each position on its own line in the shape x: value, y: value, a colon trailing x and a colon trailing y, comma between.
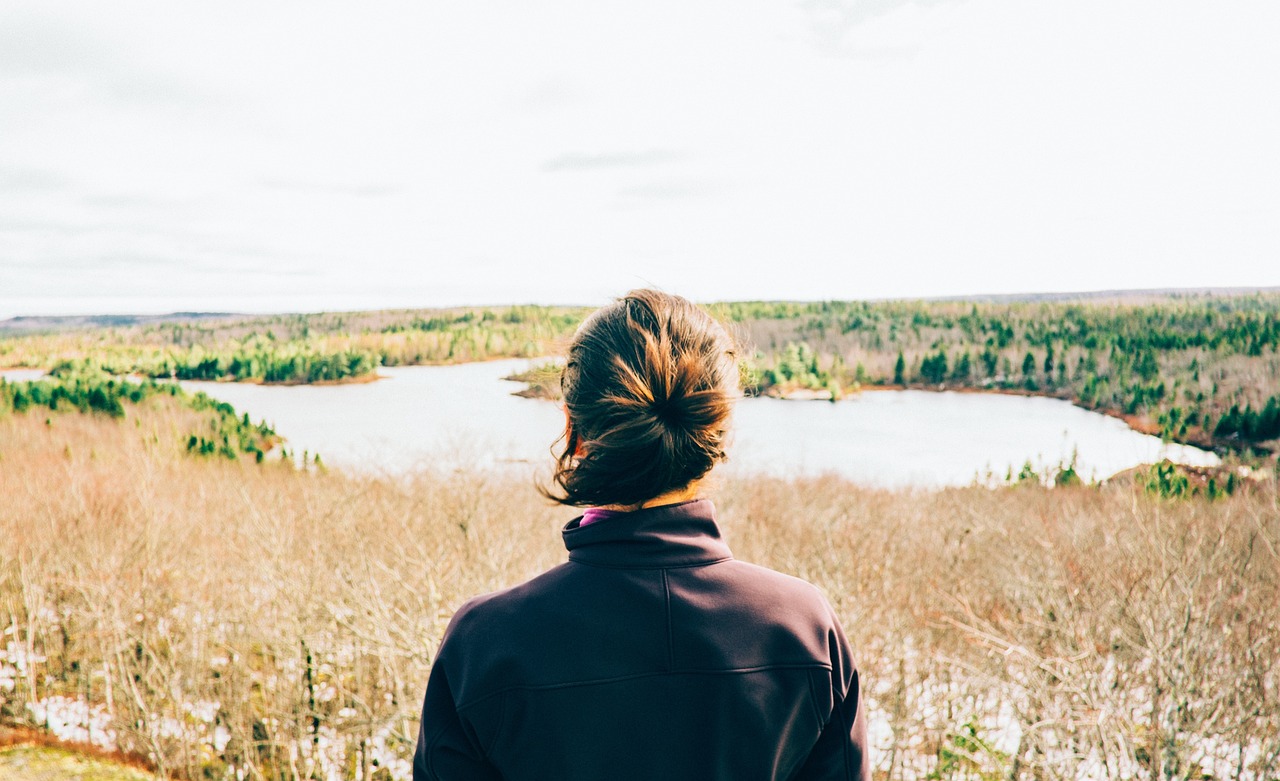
x: 464, y: 416
x: 21, y: 375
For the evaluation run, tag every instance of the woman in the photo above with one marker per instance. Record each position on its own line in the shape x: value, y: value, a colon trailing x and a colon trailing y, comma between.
x: 651, y: 653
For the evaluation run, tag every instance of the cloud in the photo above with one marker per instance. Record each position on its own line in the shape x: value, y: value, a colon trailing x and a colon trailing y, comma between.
x: 364, y: 190
x: 125, y: 269
x: 842, y: 14
x: 668, y: 189
x: 880, y: 53
x: 577, y: 161
x: 24, y: 225
x: 112, y: 262
x: 832, y: 21
x: 33, y: 47
x: 552, y: 94
x: 266, y: 265
x: 124, y: 201
x: 31, y: 179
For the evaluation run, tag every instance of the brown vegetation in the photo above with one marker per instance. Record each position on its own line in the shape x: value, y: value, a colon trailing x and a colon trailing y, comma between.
x: 323, y: 347
x: 235, y: 618
x: 21, y: 736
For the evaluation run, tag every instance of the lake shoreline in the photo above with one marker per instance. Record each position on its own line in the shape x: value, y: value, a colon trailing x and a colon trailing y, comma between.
x: 1196, y: 436
x: 1142, y: 424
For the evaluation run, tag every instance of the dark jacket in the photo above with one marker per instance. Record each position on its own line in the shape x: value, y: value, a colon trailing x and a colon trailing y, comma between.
x: 652, y: 654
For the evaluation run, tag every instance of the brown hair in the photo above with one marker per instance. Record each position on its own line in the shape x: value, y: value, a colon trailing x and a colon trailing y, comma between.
x: 648, y: 385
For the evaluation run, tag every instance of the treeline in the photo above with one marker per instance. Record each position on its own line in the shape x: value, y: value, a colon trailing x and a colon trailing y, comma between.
x: 1200, y: 369
x: 265, y: 361
x: 105, y: 395
x: 475, y: 335
x: 296, y: 349
x: 795, y: 366
x: 1249, y: 424
x: 229, y: 435
x: 84, y: 388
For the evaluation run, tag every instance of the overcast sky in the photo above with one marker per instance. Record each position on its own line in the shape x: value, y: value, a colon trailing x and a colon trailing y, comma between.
x: 302, y: 156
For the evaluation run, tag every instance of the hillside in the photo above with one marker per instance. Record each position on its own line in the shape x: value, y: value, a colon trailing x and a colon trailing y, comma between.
x: 1199, y: 367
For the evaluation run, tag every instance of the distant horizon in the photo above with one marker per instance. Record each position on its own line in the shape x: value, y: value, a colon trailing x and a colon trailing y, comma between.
x: 1047, y: 295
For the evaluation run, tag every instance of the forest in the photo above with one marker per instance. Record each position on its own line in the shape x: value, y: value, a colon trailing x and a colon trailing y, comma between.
x: 86, y: 388
x: 1197, y: 369
x: 1201, y: 369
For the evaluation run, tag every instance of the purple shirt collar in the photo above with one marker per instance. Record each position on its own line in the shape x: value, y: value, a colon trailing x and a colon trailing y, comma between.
x: 593, y: 514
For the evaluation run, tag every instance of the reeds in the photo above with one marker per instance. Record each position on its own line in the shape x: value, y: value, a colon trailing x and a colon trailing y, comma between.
x: 228, y: 619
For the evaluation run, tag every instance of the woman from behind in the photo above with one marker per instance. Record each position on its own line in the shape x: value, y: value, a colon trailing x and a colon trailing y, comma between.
x: 651, y: 653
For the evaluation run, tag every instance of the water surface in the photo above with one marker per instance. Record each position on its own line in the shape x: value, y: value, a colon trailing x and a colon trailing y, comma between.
x: 465, y: 416
x: 22, y: 375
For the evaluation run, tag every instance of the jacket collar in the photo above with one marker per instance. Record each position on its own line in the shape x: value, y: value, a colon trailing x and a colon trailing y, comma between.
x: 670, y: 535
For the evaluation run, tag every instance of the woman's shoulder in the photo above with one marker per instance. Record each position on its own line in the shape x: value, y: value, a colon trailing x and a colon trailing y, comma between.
x: 789, y: 592
x: 746, y: 616
x: 500, y: 611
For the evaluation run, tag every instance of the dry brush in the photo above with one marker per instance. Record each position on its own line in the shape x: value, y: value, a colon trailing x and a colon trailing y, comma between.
x: 228, y: 619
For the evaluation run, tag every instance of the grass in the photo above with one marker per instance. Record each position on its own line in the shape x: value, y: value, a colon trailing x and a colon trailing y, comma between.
x: 42, y: 763
x: 232, y: 618
x: 34, y: 758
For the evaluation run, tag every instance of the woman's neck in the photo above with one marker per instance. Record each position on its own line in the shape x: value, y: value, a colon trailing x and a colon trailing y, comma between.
x: 670, y: 497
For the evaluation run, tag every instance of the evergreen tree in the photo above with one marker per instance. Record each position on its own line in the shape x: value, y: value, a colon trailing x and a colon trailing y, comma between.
x: 933, y: 369
x: 990, y: 361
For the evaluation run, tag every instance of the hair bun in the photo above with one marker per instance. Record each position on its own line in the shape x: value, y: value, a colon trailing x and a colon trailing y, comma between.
x: 648, y: 386
x: 691, y: 396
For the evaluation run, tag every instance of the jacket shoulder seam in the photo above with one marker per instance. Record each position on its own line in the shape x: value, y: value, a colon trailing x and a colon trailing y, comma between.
x: 846, y: 751
x: 636, y: 676
x: 502, y: 722
x: 817, y: 711
x: 671, y: 647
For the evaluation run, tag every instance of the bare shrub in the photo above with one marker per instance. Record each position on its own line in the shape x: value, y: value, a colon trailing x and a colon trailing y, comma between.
x: 235, y: 620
